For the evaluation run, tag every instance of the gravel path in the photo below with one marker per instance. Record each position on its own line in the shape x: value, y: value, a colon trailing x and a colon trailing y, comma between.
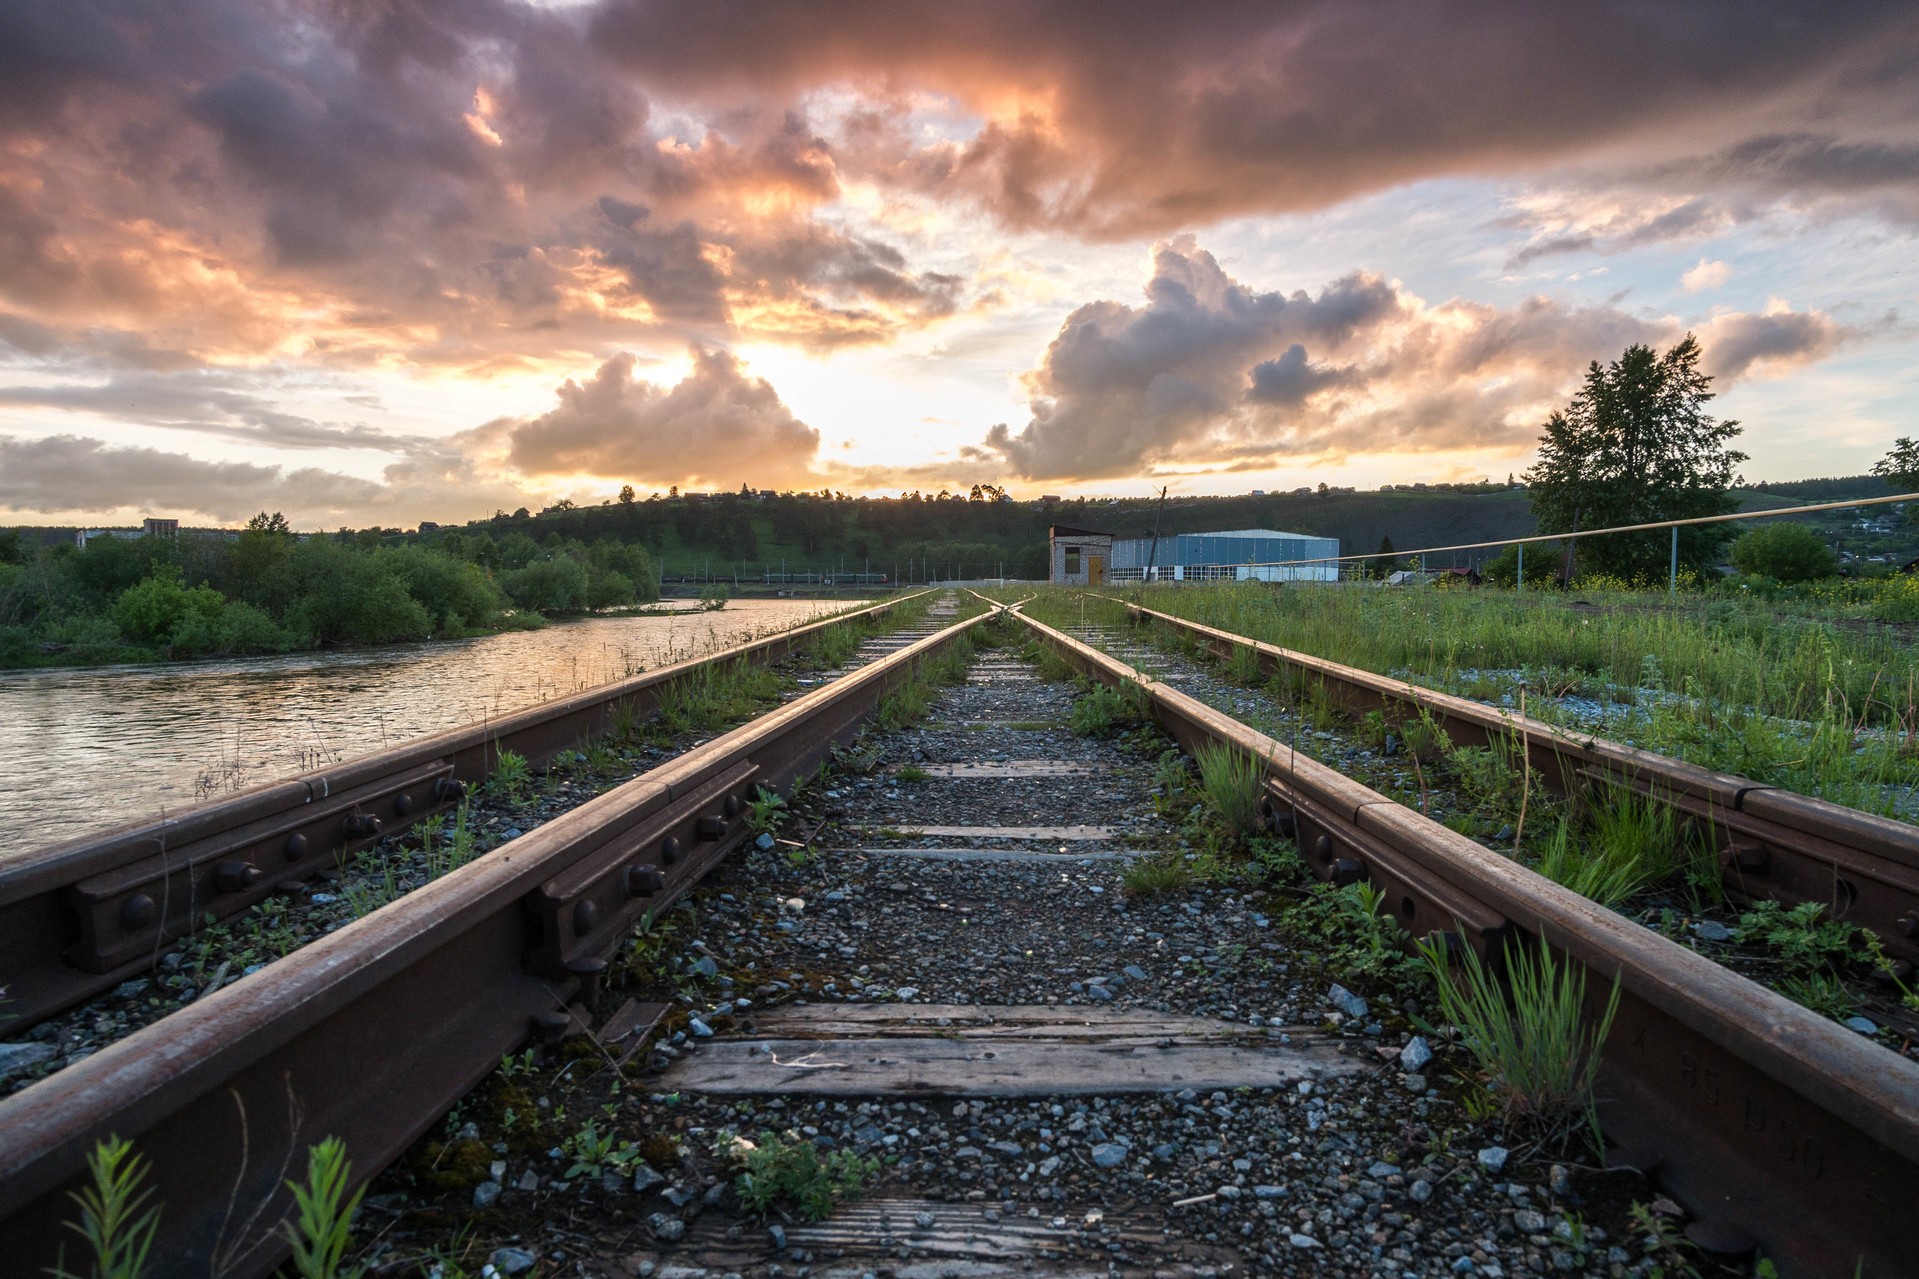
x: 1380, y: 1172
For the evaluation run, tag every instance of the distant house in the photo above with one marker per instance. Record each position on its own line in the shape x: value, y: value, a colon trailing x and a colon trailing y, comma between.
x: 151, y: 527
x: 1077, y: 556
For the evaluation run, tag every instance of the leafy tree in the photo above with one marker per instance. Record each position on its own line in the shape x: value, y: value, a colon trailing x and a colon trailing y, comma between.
x: 626, y: 495
x: 264, y: 523
x: 1635, y: 446
x: 1384, y: 564
x: 1900, y: 469
x: 1785, y: 551
x: 556, y: 585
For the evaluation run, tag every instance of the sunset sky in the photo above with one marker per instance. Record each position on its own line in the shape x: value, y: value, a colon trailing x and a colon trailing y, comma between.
x: 378, y: 261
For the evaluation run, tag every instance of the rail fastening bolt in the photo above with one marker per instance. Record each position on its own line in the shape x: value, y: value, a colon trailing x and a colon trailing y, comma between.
x: 235, y: 876
x: 138, y: 911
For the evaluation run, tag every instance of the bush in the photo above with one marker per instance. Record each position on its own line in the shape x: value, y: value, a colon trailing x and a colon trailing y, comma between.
x: 1544, y: 564
x: 548, y: 586
x: 243, y: 628
x: 1785, y: 552
x: 162, y: 611
x: 340, y: 596
x: 608, y: 588
x: 459, y: 595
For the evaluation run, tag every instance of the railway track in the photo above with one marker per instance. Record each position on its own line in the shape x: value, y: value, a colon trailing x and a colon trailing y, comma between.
x: 82, y: 916
x: 371, y: 1032
x: 1781, y: 1129
x: 1770, y: 842
x: 944, y: 972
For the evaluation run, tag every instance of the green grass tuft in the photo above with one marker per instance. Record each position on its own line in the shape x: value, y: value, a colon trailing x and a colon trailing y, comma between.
x: 1232, y: 783
x: 1159, y: 873
x: 1532, y: 1039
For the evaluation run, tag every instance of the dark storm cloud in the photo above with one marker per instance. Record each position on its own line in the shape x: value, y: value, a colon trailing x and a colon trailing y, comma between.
x: 430, y: 178
x: 1120, y: 118
x: 717, y: 425
x: 423, y: 178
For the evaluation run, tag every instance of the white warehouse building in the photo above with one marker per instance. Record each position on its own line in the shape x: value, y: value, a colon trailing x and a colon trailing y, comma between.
x: 1248, y: 554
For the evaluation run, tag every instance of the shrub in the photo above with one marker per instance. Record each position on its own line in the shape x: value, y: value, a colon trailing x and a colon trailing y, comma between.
x: 155, y: 610
x: 608, y: 588
x: 322, y: 1229
x: 457, y: 595
x: 1785, y: 552
x: 243, y: 628
x: 1102, y: 711
x: 556, y: 585
x: 1544, y: 564
x: 117, y: 1217
x: 1158, y: 873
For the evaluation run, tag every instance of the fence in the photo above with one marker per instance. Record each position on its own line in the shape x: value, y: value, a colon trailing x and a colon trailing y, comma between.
x: 1339, y: 563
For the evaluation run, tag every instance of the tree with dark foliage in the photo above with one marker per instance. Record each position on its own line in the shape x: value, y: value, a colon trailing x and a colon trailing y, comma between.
x: 1636, y: 446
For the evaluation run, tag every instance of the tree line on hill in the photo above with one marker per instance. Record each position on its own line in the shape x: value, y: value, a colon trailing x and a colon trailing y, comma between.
x: 267, y: 590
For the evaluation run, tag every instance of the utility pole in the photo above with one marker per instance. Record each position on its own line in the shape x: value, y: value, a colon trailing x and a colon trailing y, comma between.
x: 1152, y: 556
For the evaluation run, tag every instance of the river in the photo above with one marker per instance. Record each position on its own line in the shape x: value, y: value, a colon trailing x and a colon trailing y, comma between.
x: 87, y: 748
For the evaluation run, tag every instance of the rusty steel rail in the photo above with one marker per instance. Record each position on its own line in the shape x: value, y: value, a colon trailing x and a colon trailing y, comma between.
x: 82, y: 916
x: 1769, y: 842
x: 372, y: 1032
x: 1779, y: 1128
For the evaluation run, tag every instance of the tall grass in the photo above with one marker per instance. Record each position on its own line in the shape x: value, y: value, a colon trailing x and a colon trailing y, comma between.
x: 1532, y: 1039
x: 912, y: 700
x: 716, y: 694
x: 1795, y: 700
x: 1232, y: 783
x: 1599, y: 872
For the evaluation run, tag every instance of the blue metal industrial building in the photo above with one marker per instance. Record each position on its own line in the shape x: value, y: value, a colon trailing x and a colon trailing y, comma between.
x: 1256, y: 554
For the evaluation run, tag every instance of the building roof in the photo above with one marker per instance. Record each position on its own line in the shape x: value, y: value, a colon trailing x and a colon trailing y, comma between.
x: 1062, y: 530
x: 1250, y: 533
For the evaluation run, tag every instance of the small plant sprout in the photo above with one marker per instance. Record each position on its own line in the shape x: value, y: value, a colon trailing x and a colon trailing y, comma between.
x: 765, y: 812
x: 322, y: 1229
x: 594, y: 1154
x: 1538, y: 1053
x: 789, y: 1170
x: 511, y: 776
x: 911, y: 773
x: 117, y: 1224
x: 1103, y: 711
